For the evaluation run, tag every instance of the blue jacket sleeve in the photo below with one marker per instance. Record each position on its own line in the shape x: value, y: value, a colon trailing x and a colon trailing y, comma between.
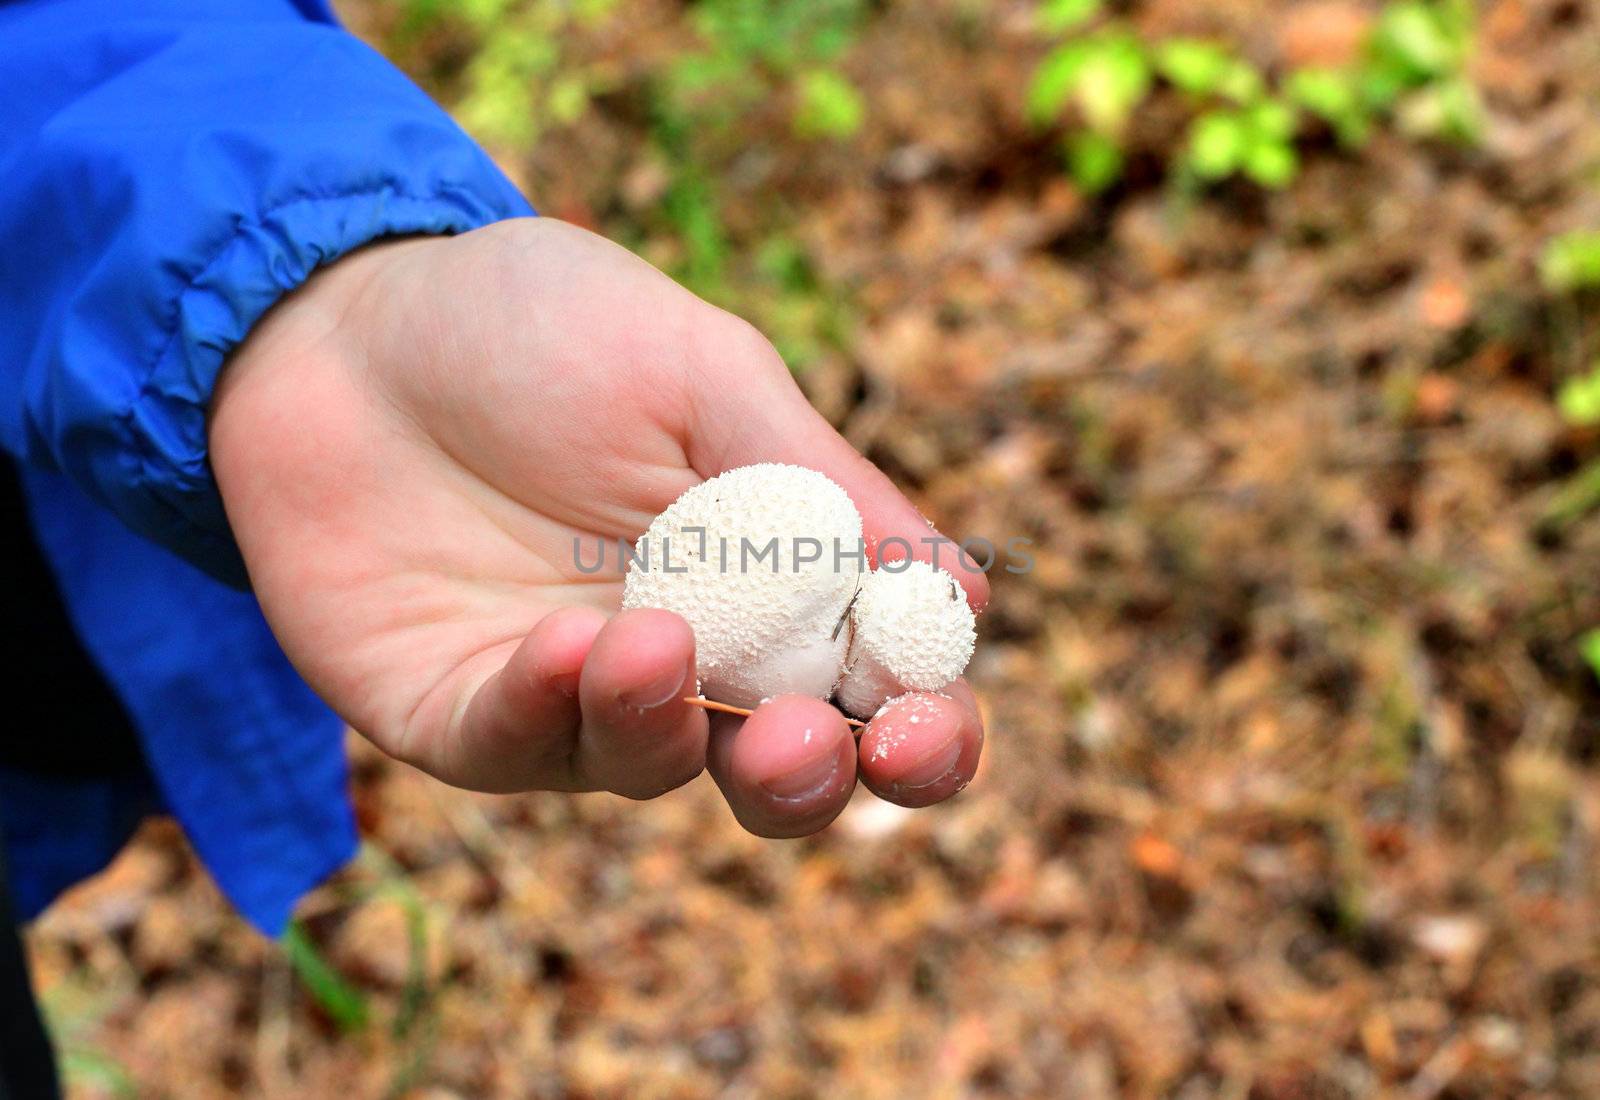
x: 238, y: 748
x: 168, y: 170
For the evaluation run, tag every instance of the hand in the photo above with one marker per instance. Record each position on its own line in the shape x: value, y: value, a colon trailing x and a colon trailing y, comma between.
x: 407, y: 448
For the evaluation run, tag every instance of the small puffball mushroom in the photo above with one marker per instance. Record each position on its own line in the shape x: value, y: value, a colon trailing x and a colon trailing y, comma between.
x: 913, y: 632
x: 763, y: 625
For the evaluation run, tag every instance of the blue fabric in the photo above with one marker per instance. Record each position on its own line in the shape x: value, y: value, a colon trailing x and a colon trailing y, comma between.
x: 168, y: 170
x: 60, y: 830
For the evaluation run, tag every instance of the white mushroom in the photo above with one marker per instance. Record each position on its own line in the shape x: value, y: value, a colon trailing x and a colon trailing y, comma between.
x: 913, y: 632
x: 730, y: 556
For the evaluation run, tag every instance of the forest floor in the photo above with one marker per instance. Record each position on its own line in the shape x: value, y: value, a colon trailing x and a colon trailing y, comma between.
x: 1292, y: 788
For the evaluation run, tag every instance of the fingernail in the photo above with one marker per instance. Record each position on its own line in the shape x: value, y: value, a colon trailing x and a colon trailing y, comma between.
x: 659, y: 691
x: 807, y: 781
x: 931, y: 768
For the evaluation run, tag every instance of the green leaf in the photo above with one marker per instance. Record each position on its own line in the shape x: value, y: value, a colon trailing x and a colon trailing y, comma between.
x: 497, y: 109
x: 1379, y: 86
x: 1054, y: 81
x: 1589, y: 646
x: 1093, y: 159
x: 1271, y: 120
x: 1204, y: 68
x: 1272, y: 164
x: 1241, y: 82
x: 1446, y: 109
x: 1113, y: 79
x: 1193, y: 65
x: 1571, y: 261
x: 1326, y: 93
x: 591, y: 12
x: 1419, y: 39
x: 344, y: 1003
x: 1333, y: 96
x: 691, y: 207
x: 484, y: 14
x: 567, y: 100
x: 1579, y: 399
x: 1107, y: 74
x: 1218, y: 141
x: 782, y: 261
x: 1461, y: 111
x: 1056, y: 16
x: 779, y: 35
x: 1578, y: 496
x: 827, y: 105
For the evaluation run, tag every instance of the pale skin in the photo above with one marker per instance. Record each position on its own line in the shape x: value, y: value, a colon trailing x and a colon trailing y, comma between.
x: 407, y: 447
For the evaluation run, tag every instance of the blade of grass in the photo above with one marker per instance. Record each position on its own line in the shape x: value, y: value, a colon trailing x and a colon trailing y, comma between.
x: 416, y: 1022
x: 344, y: 1003
x: 1589, y: 646
x: 1574, y: 500
x: 100, y: 1072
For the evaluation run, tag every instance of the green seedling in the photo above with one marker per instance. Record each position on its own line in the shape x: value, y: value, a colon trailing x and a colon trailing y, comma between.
x: 1208, y: 69
x: 1571, y: 262
x: 1589, y: 646
x: 522, y: 80
x: 1256, y: 142
x: 1416, y: 64
x: 1412, y: 71
x: 752, y: 54
x: 1334, y: 96
x: 1103, y: 77
x: 1579, y: 399
x: 827, y: 105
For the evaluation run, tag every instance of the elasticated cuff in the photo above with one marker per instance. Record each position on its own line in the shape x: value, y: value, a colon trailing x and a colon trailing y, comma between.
x: 167, y: 472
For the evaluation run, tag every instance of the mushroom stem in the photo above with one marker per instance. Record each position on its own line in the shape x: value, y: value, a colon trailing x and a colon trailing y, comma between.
x: 744, y: 712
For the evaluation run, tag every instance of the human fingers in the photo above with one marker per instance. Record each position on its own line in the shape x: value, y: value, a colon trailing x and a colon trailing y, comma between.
x: 518, y: 730
x: 922, y: 748
x: 786, y: 771
x: 638, y: 737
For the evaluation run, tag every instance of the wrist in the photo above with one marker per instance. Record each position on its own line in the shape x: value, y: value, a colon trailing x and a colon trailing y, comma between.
x: 315, y: 326
x: 295, y: 370
x: 321, y: 312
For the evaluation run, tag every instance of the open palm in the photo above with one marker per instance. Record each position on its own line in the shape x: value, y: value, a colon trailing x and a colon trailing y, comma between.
x: 410, y: 448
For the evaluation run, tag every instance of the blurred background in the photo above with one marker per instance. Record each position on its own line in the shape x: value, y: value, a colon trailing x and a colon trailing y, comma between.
x: 1275, y: 326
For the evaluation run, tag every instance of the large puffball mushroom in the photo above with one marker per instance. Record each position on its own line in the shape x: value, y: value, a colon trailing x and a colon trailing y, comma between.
x: 913, y: 632
x: 767, y: 625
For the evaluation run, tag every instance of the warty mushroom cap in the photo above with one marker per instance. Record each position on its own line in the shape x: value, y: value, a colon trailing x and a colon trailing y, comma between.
x: 913, y: 631
x: 765, y: 622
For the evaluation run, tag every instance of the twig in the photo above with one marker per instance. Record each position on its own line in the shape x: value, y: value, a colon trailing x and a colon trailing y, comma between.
x: 743, y: 712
